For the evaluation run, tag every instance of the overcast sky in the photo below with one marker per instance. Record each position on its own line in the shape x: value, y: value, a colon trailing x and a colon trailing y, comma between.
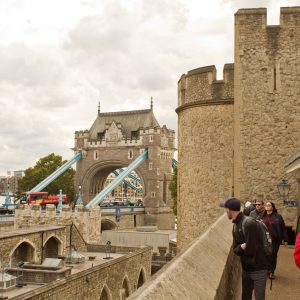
x: 58, y: 58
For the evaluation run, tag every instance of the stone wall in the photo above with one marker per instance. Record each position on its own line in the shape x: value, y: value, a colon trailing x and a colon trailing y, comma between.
x: 237, y: 134
x: 6, y: 226
x: 205, y: 151
x: 138, y: 239
x: 34, y: 237
x: 89, y: 283
x: 266, y: 102
x: 87, y: 221
x: 206, y: 269
x: 126, y: 221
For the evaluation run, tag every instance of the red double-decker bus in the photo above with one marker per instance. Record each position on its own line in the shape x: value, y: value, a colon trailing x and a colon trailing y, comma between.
x: 41, y: 198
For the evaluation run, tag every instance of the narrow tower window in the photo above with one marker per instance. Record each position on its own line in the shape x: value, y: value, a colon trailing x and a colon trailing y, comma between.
x: 274, y: 77
x: 130, y: 154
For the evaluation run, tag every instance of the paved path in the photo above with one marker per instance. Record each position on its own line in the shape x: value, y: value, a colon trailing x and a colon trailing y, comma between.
x: 286, y: 286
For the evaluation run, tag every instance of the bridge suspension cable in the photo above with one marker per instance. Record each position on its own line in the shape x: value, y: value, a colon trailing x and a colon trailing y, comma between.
x: 174, y: 162
x: 57, y: 173
x: 128, y: 183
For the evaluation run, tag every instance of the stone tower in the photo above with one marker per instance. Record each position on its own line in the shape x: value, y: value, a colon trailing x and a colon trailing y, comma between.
x: 236, y: 134
x: 266, y: 99
x: 205, y: 116
x: 114, y: 141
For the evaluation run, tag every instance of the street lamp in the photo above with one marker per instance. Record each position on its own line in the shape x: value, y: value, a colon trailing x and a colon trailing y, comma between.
x: 284, y: 189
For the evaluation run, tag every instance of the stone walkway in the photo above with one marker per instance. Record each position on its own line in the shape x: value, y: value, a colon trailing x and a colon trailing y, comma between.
x: 286, y: 286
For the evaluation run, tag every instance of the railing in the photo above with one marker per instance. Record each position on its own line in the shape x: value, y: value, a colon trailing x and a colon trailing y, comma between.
x: 111, y: 210
x: 7, y: 218
x: 124, y: 210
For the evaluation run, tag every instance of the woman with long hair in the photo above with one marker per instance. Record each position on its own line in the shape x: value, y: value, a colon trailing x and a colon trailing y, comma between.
x: 276, y: 227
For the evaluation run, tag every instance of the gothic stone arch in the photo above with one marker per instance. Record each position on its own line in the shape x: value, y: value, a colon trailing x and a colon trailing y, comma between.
x: 53, y: 247
x: 24, y: 251
x: 142, y: 278
x: 107, y: 224
x: 125, y: 290
x: 105, y: 293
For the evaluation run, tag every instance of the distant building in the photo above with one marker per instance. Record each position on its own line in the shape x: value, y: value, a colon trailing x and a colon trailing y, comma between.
x: 19, y: 173
x: 10, y: 183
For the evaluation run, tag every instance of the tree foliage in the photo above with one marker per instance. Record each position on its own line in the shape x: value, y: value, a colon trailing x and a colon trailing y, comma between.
x: 42, y: 169
x: 173, y: 190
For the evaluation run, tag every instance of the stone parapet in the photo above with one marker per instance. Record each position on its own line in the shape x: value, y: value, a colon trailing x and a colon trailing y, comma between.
x: 87, y: 221
x: 206, y: 269
x: 202, y: 85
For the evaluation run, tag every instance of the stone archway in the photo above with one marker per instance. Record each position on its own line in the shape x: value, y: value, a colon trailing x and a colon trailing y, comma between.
x: 142, y: 278
x: 52, y: 248
x: 95, y: 177
x: 23, y: 252
x: 105, y: 294
x: 107, y: 224
x: 125, y: 290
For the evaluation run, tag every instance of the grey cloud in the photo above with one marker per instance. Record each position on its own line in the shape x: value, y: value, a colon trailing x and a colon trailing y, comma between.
x: 122, y: 56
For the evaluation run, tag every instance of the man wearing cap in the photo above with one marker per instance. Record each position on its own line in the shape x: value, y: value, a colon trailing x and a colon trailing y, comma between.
x: 248, y: 244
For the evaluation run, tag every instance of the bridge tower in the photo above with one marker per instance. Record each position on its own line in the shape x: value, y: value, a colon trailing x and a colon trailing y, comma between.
x: 114, y: 141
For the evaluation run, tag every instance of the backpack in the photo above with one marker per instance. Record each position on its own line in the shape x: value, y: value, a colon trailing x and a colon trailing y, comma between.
x: 266, y: 238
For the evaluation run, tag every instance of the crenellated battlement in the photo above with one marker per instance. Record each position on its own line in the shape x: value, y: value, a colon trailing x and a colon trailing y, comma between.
x: 88, y: 221
x: 82, y: 134
x: 257, y: 17
x: 83, y: 140
x: 201, y: 84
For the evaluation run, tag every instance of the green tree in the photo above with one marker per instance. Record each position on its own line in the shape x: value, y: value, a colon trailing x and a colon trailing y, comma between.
x: 42, y: 169
x: 173, y: 190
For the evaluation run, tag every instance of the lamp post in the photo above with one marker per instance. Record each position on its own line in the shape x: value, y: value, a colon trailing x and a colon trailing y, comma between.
x: 284, y: 189
x: 79, y: 200
x: 59, y: 206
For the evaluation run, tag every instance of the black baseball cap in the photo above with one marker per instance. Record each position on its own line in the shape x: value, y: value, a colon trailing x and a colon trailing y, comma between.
x: 232, y: 203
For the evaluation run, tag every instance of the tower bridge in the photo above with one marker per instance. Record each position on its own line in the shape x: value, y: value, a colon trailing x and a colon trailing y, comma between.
x: 114, y: 141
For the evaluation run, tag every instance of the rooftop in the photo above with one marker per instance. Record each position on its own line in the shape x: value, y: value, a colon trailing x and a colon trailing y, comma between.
x: 92, y: 260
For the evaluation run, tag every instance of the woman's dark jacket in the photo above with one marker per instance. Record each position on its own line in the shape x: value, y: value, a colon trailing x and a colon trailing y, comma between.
x: 253, y: 258
x: 276, y: 227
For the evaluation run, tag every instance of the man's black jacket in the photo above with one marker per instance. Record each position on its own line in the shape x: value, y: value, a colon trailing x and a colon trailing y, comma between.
x: 253, y: 258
